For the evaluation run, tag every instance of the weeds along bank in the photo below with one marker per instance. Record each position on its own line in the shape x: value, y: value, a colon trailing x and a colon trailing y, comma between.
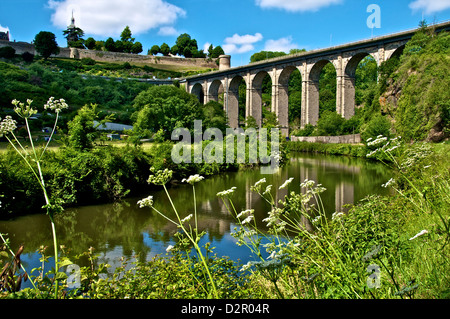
x: 95, y: 175
x: 385, y: 247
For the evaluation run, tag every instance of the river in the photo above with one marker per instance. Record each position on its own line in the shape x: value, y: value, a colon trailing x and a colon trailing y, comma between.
x: 124, y: 229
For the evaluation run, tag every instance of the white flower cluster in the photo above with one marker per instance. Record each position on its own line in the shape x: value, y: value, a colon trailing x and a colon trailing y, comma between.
x: 56, y: 105
x: 257, y: 186
x: 274, y: 219
x: 169, y: 248
x: 286, y: 183
x: 146, y: 202
x: 245, y: 213
x: 416, y: 154
x: 380, y: 139
x: 193, y: 179
x: 309, y: 184
x: 160, y: 177
x: 7, y: 125
x: 389, y: 182
x: 226, y: 192
x: 337, y: 215
x: 421, y: 233
x: 248, y: 214
x: 186, y: 219
x: 24, y: 111
x: 268, y: 189
x: 386, y: 148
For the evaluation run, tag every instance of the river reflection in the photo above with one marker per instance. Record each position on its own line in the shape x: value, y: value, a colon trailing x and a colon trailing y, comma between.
x: 123, y: 229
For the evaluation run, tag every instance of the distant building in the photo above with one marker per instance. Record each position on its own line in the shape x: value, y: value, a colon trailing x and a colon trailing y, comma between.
x: 4, y: 36
x: 112, y: 127
x: 72, y: 34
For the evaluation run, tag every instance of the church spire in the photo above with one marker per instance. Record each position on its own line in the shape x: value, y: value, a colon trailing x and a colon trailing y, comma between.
x: 72, y: 25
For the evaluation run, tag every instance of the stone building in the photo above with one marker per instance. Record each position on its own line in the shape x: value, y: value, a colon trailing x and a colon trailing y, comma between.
x: 4, y: 36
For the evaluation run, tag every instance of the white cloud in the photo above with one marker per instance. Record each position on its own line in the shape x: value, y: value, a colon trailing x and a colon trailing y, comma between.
x: 241, y: 43
x: 280, y: 45
x: 296, y: 5
x: 430, y: 6
x: 109, y: 17
x: 206, y: 46
x: 167, y: 31
x: 6, y: 29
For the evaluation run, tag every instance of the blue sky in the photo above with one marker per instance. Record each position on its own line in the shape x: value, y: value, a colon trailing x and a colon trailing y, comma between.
x: 241, y: 27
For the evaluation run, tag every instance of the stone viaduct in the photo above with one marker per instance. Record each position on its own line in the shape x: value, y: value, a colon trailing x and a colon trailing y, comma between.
x: 345, y: 59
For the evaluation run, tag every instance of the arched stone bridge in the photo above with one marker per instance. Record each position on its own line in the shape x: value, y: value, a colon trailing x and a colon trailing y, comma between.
x: 345, y: 59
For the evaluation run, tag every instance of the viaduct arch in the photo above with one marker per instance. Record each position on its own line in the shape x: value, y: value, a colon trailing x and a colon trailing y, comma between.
x: 345, y: 59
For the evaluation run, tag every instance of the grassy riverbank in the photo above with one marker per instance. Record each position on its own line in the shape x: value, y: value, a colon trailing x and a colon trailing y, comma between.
x: 385, y: 247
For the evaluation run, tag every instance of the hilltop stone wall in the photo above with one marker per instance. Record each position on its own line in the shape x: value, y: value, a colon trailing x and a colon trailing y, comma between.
x: 22, y: 47
x: 105, y: 56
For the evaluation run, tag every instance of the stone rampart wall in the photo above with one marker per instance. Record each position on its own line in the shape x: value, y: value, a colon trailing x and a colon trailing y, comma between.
x: 22, y: 47
x: 342, y: 139
x: 105, y: 56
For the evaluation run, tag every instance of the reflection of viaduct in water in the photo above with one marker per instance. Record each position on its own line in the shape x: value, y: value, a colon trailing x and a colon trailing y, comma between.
x: 214, y: 215
x: 344, y: 191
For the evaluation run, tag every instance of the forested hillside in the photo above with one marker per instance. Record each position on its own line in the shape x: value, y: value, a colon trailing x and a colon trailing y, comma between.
x: 416, y: 94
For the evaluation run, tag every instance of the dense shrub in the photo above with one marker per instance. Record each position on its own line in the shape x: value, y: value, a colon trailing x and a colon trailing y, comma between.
x: 378, y: 125
x: 7, y: 52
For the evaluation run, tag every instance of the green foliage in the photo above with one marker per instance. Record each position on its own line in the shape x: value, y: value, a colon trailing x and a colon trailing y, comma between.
x: 40, y: 81
x: 154, y: 50
x: 110, y: 45
x: 330, y: 123
x: 264, y: 55
x: 82, y: 129
x: 423, y: 77
x: 327, y: 89
x: 215, y: 52
x: 167, y: 108
x: 90, y: 43
x: 28, y: 57
x: 329, y: 149
x: 7, y: 52
x: 187, y: 47
x: 214, y: 116
x: 164, y: 49
x: 378, y: 125
x: 125, y: 36
x: 45, y: 44
x: 306, y: 131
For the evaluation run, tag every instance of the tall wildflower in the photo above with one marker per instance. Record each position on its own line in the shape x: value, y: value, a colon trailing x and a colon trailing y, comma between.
x: 31, y: 158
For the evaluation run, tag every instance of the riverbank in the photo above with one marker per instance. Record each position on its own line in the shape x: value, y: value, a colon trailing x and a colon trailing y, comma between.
x: 355, y: 150
x: 385, y: 247
x: 106, y: 173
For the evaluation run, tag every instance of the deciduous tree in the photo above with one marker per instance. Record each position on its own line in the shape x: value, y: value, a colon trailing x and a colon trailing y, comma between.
x: 45, y: 44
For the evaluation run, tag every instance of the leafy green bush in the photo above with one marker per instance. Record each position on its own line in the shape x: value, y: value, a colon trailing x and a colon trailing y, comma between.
x: 330, y: 123
x: 7, y: 52
x: 306, y: 131
x: 378, y: 125
x: 165, y: 107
